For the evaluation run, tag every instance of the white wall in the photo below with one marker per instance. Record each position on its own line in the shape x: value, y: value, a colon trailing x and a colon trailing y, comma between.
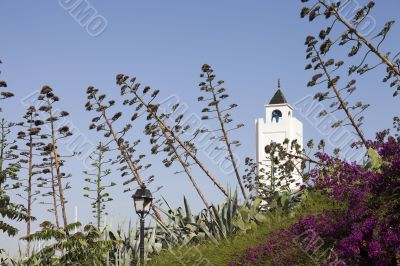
x: 268, y: 131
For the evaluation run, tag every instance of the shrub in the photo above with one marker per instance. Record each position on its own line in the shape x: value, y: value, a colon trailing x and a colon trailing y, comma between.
x: 364, y: 230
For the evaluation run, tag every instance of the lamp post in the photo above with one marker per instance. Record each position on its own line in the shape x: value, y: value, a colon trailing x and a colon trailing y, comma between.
x: 142, y: 199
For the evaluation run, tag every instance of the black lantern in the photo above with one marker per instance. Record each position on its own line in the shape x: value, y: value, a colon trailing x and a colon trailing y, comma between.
x: 142, y: 199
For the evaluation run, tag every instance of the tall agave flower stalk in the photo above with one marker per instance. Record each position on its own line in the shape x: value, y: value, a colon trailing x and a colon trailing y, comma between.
x: 174, y: 154
x: 162, y: 142
x: 327, y: 68
x: 215, y: 98
x: 30, y: 137
x: 51, y: 116
x: 49, y: 183
x: 129, y: 86
x: 98, y: 195
x: 348, y: 33
x: 131, y: 167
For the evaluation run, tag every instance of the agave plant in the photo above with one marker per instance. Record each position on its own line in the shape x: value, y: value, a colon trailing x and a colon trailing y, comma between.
x: 217, y: 223
x: 182, y: 227
x: 128, y: 252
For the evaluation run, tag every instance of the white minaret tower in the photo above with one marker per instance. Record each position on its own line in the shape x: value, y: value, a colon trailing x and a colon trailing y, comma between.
x: 278, y: 124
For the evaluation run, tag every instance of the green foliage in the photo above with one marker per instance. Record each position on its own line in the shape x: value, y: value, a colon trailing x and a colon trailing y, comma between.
x: 222, y: 252
x: 375, y: 161
x: 5, y: 260
x: 8, y: 171
x: 12, y: 211
x: 182, y: 228
x: 80, y: 248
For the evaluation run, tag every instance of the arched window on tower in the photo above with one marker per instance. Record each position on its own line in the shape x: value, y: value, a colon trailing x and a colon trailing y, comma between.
x: 276, y: 115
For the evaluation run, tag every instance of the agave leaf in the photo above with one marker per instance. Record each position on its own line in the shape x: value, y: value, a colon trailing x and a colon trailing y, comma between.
x: 235, y: 204
x: 113, y: 236
x: 209, y: 235
x: 219, y: 222
x: 167, y: 230
x: 224, y: 214
x: 178, y: 218
x: 166, y: 202
x: 170, y: 217
x: 152, y: 238
x: 229, y: 217
x: 189, y: 217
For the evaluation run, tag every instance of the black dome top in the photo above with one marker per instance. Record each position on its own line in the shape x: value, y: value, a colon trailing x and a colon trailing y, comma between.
x: 278, y: 98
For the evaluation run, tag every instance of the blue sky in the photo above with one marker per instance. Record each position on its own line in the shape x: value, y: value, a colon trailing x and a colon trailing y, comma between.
x: 250, y: 44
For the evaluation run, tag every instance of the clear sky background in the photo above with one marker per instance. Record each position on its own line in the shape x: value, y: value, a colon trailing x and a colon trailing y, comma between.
x: 250, y: 44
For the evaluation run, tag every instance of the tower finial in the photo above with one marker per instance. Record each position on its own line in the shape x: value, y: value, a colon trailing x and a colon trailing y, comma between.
x: 279, y: 83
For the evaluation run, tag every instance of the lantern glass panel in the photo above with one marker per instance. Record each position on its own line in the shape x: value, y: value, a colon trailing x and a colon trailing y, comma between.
x: 139, y: 204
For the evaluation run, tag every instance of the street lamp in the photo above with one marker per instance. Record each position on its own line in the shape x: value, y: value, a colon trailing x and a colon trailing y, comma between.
x: 142, y: 199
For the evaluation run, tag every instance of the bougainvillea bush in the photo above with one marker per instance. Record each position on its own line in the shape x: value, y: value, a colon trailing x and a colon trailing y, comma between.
x: 364, y: 230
